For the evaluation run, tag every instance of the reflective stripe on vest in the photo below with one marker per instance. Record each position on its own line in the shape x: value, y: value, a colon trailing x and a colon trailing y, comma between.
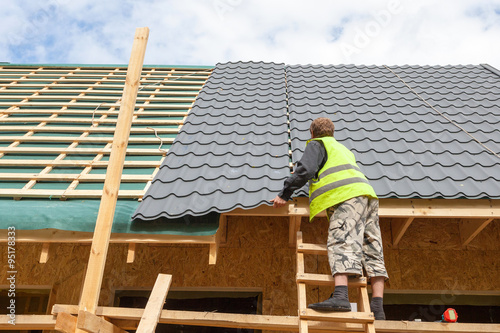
x: 339, y: 179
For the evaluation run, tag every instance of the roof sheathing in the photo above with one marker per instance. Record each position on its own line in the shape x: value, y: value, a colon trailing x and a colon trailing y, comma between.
x: 405, y: 148
x: 232, y: 151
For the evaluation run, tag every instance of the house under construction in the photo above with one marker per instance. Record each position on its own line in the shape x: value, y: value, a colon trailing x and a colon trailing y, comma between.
x: 137, y: 198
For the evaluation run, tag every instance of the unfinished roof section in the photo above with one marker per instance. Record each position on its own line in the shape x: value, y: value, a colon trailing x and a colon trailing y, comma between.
x: 406, y: 148
x: 56, y: 131
x: 232, y: 151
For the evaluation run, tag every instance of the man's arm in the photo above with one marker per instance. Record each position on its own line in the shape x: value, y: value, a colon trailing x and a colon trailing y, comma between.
x: 311, y: 162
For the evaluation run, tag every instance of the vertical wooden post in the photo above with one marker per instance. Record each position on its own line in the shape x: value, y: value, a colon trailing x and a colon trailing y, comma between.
x: 100, y: 242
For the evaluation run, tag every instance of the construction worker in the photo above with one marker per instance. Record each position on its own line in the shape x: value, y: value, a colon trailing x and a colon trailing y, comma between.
x: 337, y: 185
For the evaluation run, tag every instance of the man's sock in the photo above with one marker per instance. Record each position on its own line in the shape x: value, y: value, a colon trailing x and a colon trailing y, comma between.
x: 377, y: 307
x: 340, y: 293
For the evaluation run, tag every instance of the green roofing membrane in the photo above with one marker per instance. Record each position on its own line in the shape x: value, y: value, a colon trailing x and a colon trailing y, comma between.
x: 81, y: 215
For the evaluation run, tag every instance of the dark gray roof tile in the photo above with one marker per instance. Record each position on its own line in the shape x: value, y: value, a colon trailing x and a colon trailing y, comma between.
x: 232, y: 150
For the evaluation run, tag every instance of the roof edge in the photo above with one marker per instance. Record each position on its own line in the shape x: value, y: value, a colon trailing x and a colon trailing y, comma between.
x: 491, y: 69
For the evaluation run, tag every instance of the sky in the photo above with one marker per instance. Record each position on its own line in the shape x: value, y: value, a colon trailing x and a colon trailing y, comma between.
x: 205, y: 32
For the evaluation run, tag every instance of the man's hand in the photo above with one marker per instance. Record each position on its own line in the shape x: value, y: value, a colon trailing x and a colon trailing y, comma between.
x: 278, y: 202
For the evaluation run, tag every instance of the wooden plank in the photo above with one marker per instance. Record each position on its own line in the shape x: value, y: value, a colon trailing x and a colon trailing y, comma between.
x: 469, y: 229
x: 100, y: 241
x: 89, y: 322
x: 76, y: 163
x: 36, y: 193
x: 69, y: 177
x: 65, y: 150
x: 279, y: 323
x: 327, y: 280
x: 276, y: 323
x: 398, y: 228
x: 90, y: 129
x: 192, y: 87
x: 416, y: 208
x: 152, y: 312
x: 364, y: 306
x: 97, y: 104
x: 65, y: 323
x: 345, y: 317
x: 65, y: 236
x: 54, y: 90
x: 44, y: 255
x: 78, y: 129
x: 100, y: 98
x: 317, y: 249
x: 131, y: 252
x: 60, y: 120
x: 56, y: 139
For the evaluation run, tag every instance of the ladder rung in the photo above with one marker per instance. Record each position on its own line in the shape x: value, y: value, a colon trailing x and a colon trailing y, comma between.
x: 308, y: 248
x: 327, y: 280
x: 346, y: 317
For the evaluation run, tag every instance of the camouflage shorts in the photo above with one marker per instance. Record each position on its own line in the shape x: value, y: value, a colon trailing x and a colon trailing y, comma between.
x: 354, y: 239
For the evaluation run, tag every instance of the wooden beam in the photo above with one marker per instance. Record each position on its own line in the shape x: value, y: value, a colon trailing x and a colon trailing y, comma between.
x: 100, y: 241
x: 469, y: 229
x: 398, y: 229
x: 44, y: 255
x: 89, y: 322
x: 277, y: 323
x: 65, y: 323
x: 416, y: 208
x: 68, y: 236
x: 152, y: 312
x: 131, y: 253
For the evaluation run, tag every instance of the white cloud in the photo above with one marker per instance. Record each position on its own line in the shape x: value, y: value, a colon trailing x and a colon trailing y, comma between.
x: 204, y: 32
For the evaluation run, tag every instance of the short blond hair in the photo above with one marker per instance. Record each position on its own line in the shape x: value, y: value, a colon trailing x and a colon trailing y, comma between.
x: 321, y: 127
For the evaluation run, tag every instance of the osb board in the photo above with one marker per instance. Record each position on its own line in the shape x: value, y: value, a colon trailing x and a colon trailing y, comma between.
x: 257, y: 255
x: 488, y: 238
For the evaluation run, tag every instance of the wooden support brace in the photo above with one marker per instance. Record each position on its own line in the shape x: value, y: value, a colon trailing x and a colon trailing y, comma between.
x: 65, y: 323
x: 131, y: 253
x: 469, y: 229
x: 398, y: 229
x: 100, y: 242
x: 153, y: 309
x: 89, y: 322
x: 44, y: 255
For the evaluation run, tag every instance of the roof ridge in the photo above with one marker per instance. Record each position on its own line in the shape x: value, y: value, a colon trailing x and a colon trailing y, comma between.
x: 491, y: 69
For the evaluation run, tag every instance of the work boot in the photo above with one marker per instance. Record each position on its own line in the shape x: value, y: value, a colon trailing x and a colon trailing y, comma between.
x: 332, y: 304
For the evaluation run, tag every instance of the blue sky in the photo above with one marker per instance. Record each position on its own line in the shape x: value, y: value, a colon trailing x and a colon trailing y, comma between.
x: 204, y: 32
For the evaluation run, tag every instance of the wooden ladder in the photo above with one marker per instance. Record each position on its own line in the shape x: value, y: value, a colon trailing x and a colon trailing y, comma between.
x: 364, y: 316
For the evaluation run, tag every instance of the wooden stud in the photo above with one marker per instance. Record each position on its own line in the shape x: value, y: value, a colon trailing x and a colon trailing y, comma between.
x: 153, y: 309
x: 89, y: 322
x: 214, y: 247
x: 469, y: 229
x: 65, y: 323
x: 131, y: 253
x: 398, y: 228
x: 44, y: 255
x: 100, y: 242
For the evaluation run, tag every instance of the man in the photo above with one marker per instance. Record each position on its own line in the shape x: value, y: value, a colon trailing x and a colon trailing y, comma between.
x: 337, y: 185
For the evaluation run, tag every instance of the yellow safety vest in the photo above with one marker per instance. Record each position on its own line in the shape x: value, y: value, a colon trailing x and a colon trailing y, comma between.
x: 340, y: 179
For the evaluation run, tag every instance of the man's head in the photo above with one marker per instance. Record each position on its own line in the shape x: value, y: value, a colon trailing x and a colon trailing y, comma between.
x: 321, y: 127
